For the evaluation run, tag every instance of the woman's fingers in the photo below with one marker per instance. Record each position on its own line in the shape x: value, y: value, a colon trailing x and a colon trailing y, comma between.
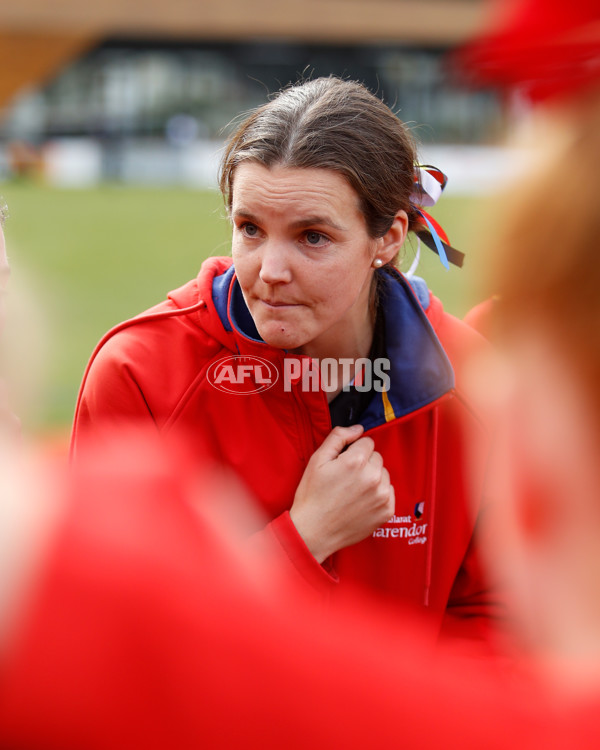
x: 345, y: 493
x: 337, y: 440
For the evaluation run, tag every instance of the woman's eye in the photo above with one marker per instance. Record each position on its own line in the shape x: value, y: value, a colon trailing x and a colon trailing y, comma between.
x: 315, y: 238
x: 250, y: 230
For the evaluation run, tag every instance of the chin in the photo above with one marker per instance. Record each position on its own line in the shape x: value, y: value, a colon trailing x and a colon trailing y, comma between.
x: 280, y: 336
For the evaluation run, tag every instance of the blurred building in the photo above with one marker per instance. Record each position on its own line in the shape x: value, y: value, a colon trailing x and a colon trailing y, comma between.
x: 140, y: 90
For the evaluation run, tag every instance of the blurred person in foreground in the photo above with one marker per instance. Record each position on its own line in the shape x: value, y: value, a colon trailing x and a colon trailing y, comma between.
x: 548, y: 323
x: 546, y: 319
x: 310, y: 365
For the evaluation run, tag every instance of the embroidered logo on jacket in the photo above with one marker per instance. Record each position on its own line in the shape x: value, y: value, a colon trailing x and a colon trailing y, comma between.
x: 405, y: 527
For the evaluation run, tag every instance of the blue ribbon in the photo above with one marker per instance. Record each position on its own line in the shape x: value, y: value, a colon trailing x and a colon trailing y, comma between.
x: 437, y: 241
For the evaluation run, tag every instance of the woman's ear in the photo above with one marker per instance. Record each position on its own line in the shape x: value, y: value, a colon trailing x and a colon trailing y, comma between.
x: 389, y: 245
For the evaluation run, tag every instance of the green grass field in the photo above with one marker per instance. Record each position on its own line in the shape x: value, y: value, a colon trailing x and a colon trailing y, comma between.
x: 96, y: 257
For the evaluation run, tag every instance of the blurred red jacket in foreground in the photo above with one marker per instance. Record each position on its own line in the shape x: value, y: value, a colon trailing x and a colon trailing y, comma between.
x: 144, y: 631
x: 550, y: 48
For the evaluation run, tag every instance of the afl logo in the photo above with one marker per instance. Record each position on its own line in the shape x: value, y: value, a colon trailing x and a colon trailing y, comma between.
x: 242, y: 375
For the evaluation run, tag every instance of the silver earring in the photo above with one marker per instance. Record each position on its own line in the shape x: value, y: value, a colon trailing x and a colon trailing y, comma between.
x: 377, y: 263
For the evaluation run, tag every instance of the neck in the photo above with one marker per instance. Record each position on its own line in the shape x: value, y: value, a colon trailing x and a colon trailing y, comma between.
x: 349, y: 340
x: 344, y: 350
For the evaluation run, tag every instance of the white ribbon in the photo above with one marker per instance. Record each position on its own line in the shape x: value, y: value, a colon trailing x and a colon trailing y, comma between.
x: 427, y: 191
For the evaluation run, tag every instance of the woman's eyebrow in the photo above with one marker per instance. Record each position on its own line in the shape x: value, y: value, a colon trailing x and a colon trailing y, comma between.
x: 309, y: 221
x: 241, y: 213
x: 316, y: 220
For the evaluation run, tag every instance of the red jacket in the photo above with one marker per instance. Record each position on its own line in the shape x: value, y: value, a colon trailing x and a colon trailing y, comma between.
x: 157, y: 368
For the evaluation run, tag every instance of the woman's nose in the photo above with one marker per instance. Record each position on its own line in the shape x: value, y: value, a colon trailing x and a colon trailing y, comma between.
x: 275, y: 265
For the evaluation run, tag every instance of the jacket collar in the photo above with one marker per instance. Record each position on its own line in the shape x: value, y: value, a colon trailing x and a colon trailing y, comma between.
x: 420, y: 372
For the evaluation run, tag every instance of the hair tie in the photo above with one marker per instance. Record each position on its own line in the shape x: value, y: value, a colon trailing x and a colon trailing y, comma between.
x: 429, y: 186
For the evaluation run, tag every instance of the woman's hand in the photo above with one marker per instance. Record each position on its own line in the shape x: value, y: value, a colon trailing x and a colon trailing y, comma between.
x: 344, y: 495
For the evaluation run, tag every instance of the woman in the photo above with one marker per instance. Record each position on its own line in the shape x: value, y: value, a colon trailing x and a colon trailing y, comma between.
x: 261, y: 357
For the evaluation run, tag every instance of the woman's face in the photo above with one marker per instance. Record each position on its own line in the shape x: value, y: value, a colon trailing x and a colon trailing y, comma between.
x: 303, y: 257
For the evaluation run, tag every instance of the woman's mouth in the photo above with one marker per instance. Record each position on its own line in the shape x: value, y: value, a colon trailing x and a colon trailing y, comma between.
x: 277, y: 303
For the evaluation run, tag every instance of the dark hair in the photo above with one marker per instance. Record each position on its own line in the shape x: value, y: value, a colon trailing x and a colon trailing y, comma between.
x: 329, y: 123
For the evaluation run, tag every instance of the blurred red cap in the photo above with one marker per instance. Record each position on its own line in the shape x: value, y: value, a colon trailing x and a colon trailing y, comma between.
x: 549, y: 48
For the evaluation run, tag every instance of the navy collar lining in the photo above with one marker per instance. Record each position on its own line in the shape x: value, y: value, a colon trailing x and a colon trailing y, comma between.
x: 421, y: 372
x: 238, y: 316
